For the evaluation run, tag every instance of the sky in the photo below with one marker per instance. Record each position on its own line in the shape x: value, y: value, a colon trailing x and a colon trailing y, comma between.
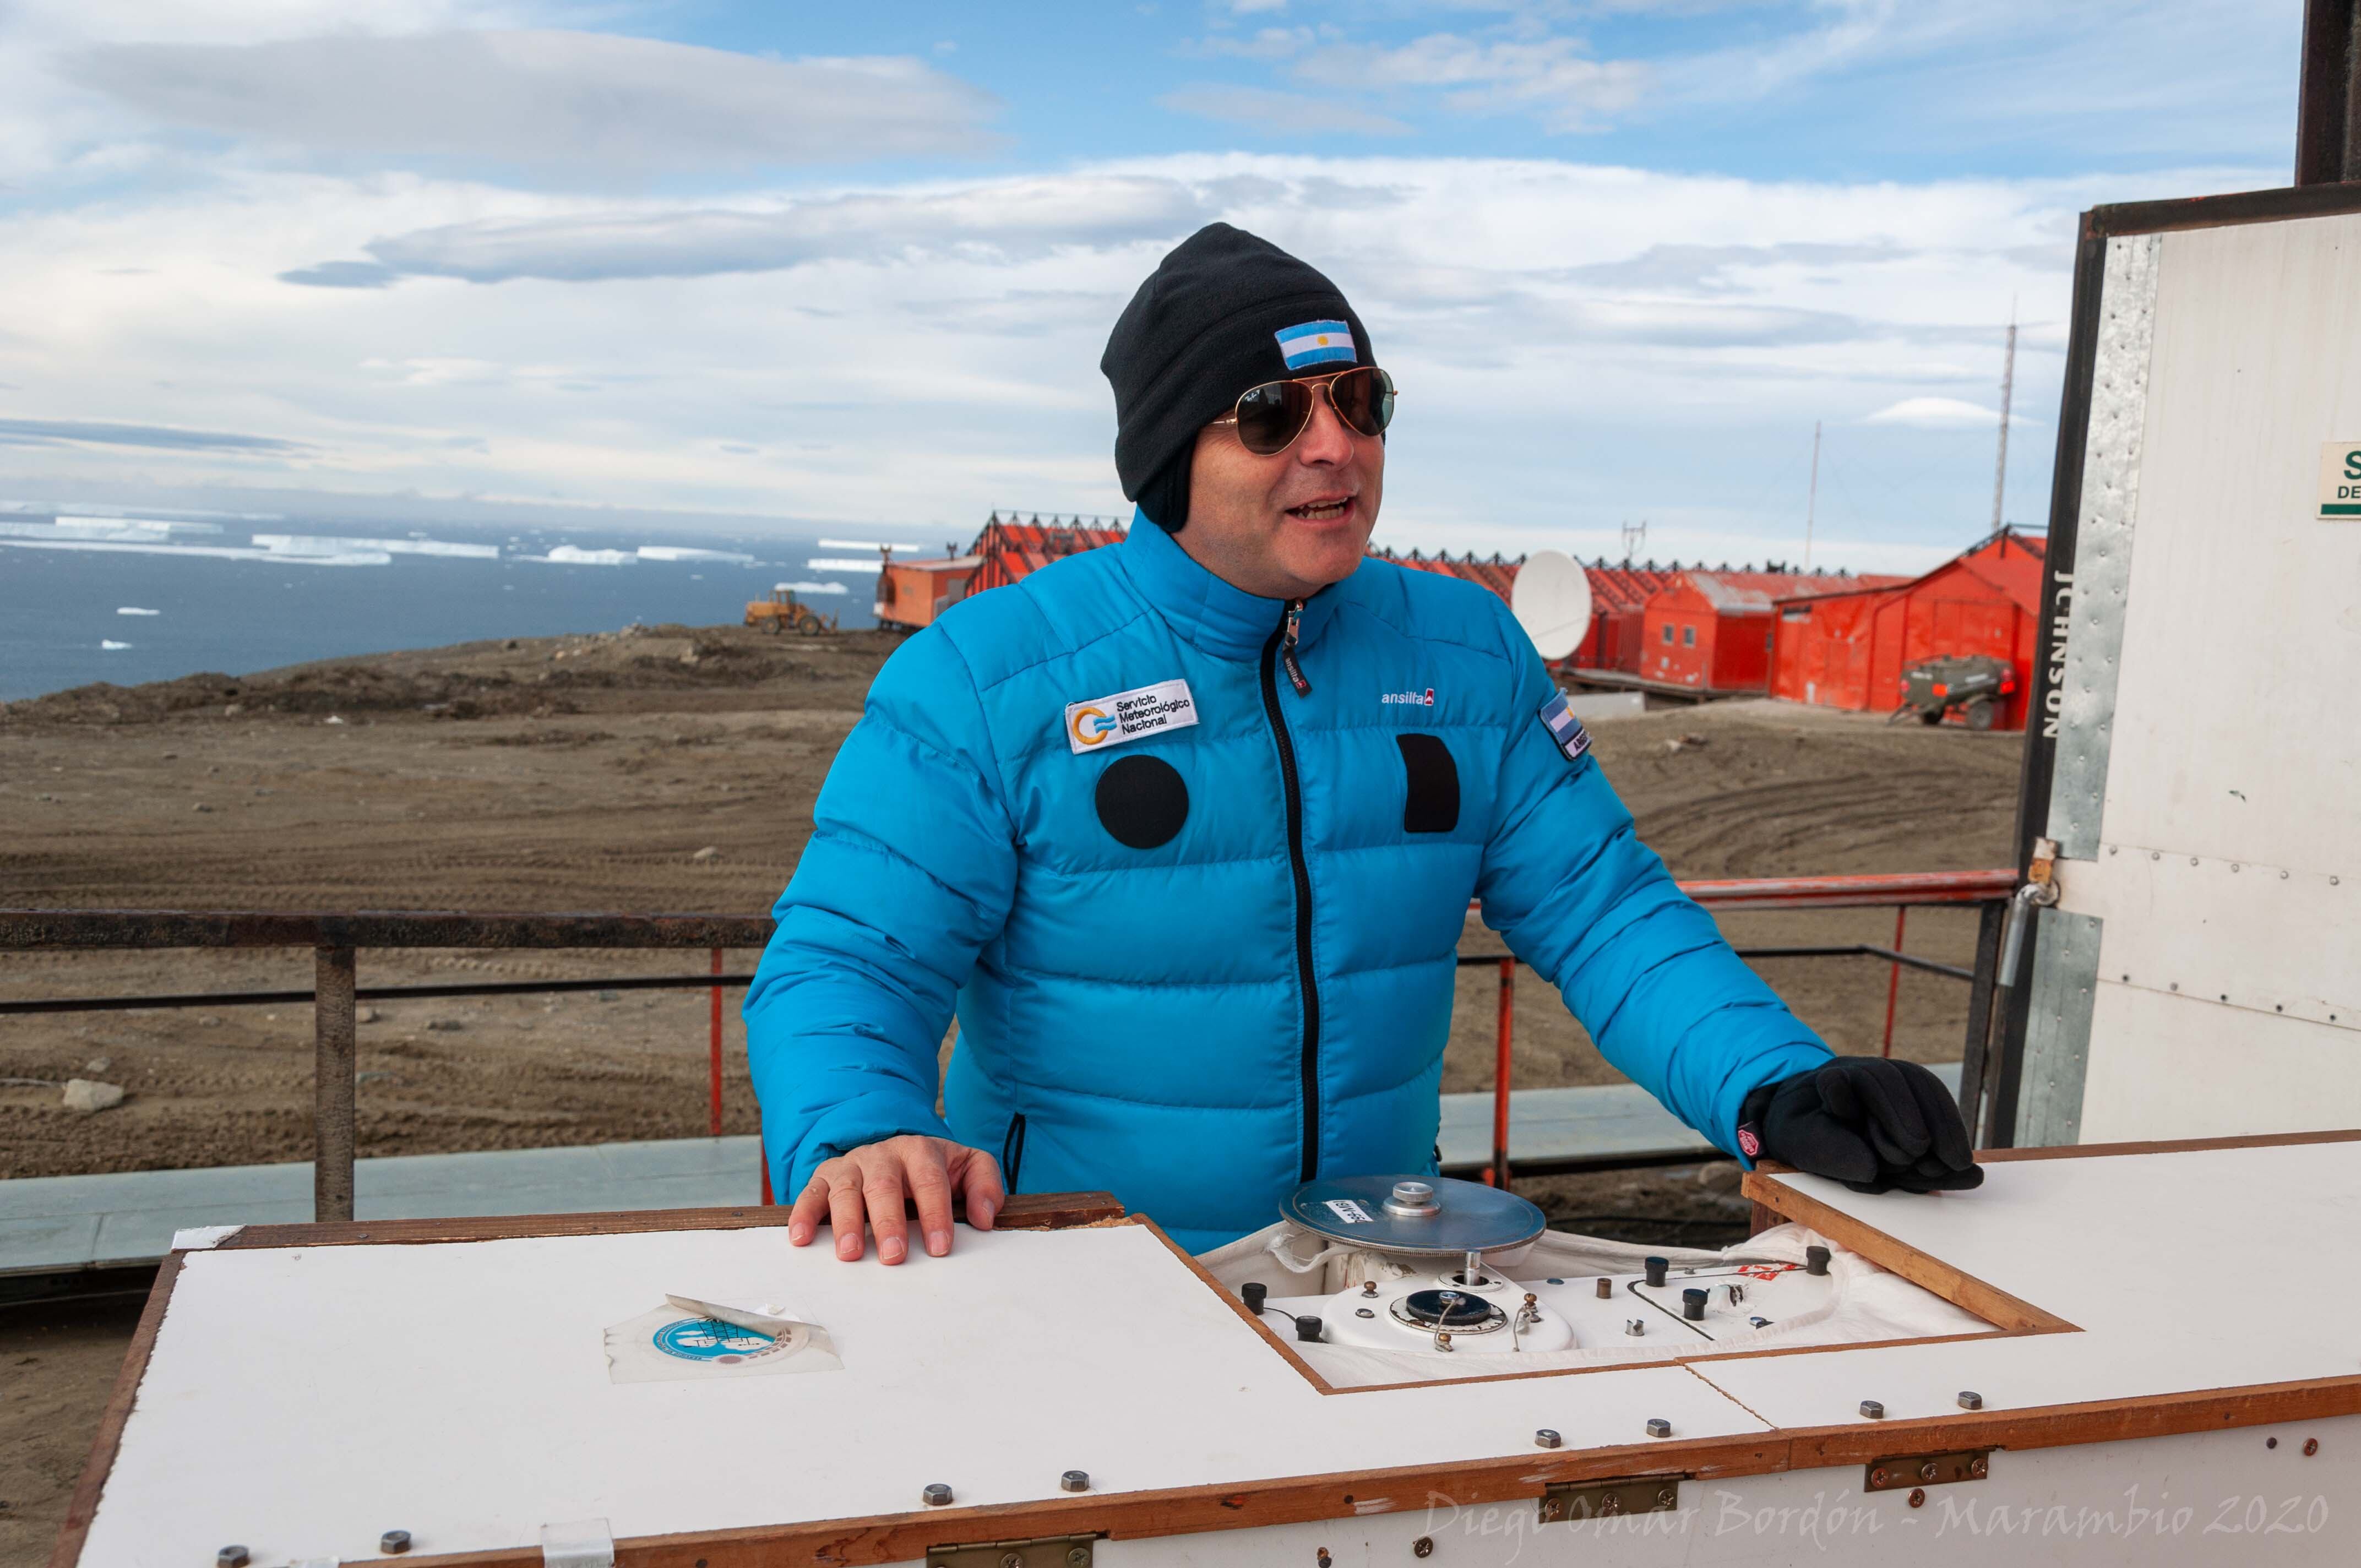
x: 854, y: 266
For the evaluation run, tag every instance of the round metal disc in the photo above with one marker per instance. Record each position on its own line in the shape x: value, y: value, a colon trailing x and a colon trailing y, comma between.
x: 1469, y: 1216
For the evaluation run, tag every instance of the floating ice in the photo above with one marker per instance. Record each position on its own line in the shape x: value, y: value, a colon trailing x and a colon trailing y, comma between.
x: 108, y: 643
x: 811, y: 588
x: 575, y: 556
x: 830, y: 563
x: 685, y: 553
x: 863, y: 545
x: 416, y: 544
x: 134, y: 610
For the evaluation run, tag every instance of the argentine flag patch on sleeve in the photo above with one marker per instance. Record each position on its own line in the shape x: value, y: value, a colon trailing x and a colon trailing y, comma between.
x: 1317, y: 343
x: 1566, y: 730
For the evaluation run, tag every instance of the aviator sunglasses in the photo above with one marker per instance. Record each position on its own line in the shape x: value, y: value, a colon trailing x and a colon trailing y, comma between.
x: 1271, y: 417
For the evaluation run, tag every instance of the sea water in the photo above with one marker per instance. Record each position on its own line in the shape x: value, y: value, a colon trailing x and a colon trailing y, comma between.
x: 264, y: 600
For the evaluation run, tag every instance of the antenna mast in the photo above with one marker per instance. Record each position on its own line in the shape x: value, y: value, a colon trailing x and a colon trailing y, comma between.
x: 1635, y: 539
x: 1812, y: 505
x: 2007, y: 389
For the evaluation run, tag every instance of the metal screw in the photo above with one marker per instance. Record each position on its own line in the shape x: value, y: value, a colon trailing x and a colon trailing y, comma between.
x: 1979, y: 1466
x: 1422, y: 1546
x: 1324, y: 1557
x: 1546, y: 1438
x: 1659, y: 1427
x: 2311, y: 1446
x: 1971, y: 1400
x: 1075, y: 1481
x: 1012, y: 1560
x: 1917, y: 1496
x: 393, y: 1542
x: 1926, y: 1471
x: 1877, y: 1476
x: 936, y: 1494
x: 1078, y: 1555
x: 2271, y: 1443
x: 232, y: 1557
x: 1873, y: 1410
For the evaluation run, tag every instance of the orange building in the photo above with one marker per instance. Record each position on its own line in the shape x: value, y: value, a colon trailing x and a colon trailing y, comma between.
x: 910, y: 594
x: 1849, y: 650
x: 1712, y: 633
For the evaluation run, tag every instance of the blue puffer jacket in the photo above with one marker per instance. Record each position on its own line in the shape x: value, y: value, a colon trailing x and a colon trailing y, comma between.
x: 1201, y: 940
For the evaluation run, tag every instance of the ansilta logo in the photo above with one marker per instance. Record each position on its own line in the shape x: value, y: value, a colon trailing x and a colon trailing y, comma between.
x: 1089, y: 726
x: 1416, y: 699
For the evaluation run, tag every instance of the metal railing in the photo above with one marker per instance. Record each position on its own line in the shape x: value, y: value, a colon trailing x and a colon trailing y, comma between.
x: 336, y: 939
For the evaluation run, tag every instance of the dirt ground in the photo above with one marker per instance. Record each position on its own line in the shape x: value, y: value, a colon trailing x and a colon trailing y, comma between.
x: 588, y: 773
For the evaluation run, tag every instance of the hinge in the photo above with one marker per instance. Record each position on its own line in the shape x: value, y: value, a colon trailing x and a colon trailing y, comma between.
x: 1041, y: 1552
x: 1928, y: 1469
x: 1579, y: 1500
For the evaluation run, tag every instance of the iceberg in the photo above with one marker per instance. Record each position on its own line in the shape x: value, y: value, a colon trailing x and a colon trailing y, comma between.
x: 317, y: 544
x: 575, y: 556
x: 684, y: 552
x: 811, y: 588
x: 134, y: 610
x: 108, y: 643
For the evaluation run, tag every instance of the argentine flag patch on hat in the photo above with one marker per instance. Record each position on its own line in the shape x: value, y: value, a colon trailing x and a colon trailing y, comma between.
x: 1316, y: 343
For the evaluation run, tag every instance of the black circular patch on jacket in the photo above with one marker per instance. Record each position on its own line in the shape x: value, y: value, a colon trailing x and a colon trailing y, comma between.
x: 1142, y: 801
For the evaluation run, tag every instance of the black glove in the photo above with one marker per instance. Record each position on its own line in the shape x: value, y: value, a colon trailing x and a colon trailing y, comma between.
x: 1872, y: 1123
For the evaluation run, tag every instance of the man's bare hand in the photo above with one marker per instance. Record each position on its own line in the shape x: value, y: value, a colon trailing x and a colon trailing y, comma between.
x: 871, y: 1182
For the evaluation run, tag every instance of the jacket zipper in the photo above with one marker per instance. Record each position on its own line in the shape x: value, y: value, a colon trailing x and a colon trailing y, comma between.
x: 1282, y: 646
x: 1012, y: 1152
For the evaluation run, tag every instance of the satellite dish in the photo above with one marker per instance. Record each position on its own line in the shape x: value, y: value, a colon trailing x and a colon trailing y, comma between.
x: 1551, y: 600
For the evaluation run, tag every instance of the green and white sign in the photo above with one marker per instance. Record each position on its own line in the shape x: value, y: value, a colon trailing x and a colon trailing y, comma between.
x: 2340, y: 479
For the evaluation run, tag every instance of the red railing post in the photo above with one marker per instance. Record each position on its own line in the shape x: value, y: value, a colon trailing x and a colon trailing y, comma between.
x: 1499, y: 1175
x: 715, y: 1075
x: 1893, y: 979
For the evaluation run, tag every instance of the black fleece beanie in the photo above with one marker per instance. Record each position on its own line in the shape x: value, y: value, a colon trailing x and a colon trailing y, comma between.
x: 1206, y: 325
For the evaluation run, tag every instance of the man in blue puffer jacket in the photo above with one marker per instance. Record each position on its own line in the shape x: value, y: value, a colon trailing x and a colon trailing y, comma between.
x: 1187, y: 829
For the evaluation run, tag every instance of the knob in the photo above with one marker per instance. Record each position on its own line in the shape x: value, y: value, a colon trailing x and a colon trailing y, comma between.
x: 1655, y: 1268
x: 1693, y: 1305
x: 1253, y: 1296
x: 1815, y: 1260
x: 1307, y: 1328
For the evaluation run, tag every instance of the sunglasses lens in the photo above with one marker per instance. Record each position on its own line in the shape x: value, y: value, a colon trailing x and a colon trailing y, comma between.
x: 1271, y: 415
x: 1364, y: 399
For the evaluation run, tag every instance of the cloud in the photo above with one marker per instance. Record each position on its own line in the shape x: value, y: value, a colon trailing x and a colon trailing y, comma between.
x: 586, y: 101
x: 1553, y: 76
x: 1719, y: 267
x: 1275, y: 112
x: 1941, y: 414
x: 1001, y: 221
x: 1576, y: 343
x: 103, y: 433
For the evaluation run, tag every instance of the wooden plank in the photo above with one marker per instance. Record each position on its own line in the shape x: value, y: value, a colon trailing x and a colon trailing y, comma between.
x: 1989, y: 1302
x: 2171, y: 1146
x: 2061, y: 1426
x: 1022, y: 1211
x: 1190, y: 1510
x: 84, y: 1505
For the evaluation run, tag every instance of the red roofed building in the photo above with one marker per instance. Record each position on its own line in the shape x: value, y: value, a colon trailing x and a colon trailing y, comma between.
x: 910, y: 594
x: 1712, y: 633
x: 1617, y: 596
x: 1849, y: 650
